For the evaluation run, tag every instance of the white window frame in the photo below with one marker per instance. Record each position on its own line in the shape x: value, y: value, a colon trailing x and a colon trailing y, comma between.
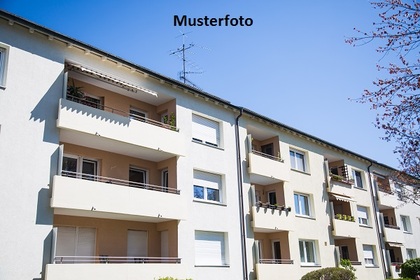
x: 411, y: 253
x: 299, y: 207
x: 211, y: 248
x: 141, y: 170
x: 273, y: 249
x: 305, y: 245
x: 4, y: 58
x: 79, y: 168
x: 406, y: 223
x: 208, y: 181
x: 293, y: 162
x: 369, y: 255
x: 134, y: 114
x: 354, y: 171
x: 363, y: 215
x: 206, y: 131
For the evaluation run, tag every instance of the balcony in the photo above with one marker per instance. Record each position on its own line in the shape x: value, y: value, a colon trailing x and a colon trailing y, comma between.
x: 104, y: 197
x: 268, y: 270
x: 113, y: 130
x: 345, y: 228
x: 393, y: 234
x: 387, y: 198
x: 266, y: 169
x: 271, y: 218
x: 108, y: 271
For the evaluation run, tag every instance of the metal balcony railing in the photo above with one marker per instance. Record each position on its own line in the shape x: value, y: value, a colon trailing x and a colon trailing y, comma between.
x: 121, y: 113
x: 275, y: 261
x: 119, y: 182
x: 113, y: 260
x: 267, y: 155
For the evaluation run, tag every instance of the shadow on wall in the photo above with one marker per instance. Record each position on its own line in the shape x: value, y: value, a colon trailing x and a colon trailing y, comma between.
x: 47, y: 110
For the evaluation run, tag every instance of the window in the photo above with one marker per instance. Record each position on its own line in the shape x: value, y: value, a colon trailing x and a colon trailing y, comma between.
x: 272, y: 198
x: 307, y: 252
x: 399, y: 191
x: 297, y: 160
x: 207, y: 186
x: 302, y: 205
x: 210, y: 248
x: 85, y: 168
x: 344, y: 252
x: 362, y: 214
x: 137, y: 115
x: 382, y: 183
x: 205, y: 131
x: 137, y: 177
x: 368, y: 255
x: 75, y: 241
x: 357, y: 176
x: 3, y: 65
x: 405, y: 221
x: 411, y: 254
x: 268, y: 149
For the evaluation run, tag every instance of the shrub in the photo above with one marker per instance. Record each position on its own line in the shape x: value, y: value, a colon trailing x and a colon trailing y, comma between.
x: 330, y: 273
x: 410, y: 268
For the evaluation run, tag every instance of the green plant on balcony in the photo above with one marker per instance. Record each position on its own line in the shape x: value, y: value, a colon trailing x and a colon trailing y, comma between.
x: 339, y: 216
x: 273, y: 206
x: 170, y: 120
x: 336, y: 177
x: 75, y: 91
x: 172, y: 278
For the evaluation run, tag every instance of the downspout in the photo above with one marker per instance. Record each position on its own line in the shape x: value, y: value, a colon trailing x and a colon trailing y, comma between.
x: 375, y: 205
x: 241, y: 197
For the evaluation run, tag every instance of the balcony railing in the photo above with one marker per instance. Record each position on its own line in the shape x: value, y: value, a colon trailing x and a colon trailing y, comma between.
x: 275, y: 261
x: 391, y: 226
x: 109, y: 259
x: 119, y: 182
x: 120, y: 112
x: 267, y: 155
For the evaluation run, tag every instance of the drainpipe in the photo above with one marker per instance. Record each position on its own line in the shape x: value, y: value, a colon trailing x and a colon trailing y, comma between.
x: 375, y: 205
x: 241, y: 197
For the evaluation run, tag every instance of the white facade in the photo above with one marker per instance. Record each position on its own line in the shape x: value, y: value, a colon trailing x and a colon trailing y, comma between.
x: 143, y: 175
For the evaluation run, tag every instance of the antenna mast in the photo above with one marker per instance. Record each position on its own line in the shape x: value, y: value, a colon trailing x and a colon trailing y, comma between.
x: 181, y: 53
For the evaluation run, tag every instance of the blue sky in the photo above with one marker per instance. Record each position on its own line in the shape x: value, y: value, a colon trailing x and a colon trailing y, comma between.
x: 291, y: 65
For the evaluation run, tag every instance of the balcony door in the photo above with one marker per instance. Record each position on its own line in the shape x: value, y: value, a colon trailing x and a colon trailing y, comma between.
x: 136, y: 245
x: 276, y: 250
x: 73, y: 166
x: 75, y: 244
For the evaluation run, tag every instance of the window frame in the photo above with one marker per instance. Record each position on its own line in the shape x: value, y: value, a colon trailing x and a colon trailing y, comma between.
x: 411, y: 253
x: 79, y: 167
x: 356, y: 184
x: 298, y: 207
x: 406, y: 224
x: 361, y: 218
x: 140, y: 170
x: 200, y: 180
x: 372, y: 251
x: 135, y: 114
x: 200, y: 123
x: 304, y: 258
x: 209, y: 237
x: 4, y: 59
x: 293, y: 162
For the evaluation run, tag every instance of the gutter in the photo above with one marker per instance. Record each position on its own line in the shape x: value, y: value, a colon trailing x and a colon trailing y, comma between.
x: 380, y: 237
x: 241, y: 197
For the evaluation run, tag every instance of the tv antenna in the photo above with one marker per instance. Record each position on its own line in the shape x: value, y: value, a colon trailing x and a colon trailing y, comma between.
x: 181, y: 53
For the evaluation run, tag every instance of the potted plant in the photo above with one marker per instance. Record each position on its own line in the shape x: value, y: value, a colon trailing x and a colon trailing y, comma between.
x: 339, y: 216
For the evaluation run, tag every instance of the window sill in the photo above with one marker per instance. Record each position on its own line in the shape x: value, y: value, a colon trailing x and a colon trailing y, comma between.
x: 204, y: 265
x: 305, y: 217
x: 300, y: 171
x: 372, y: 266
x: 2, y: 87
x: 309, y: 265
x: 408, y: 232
x: 207, y: 145
x: 362, y: 189
x: 209, y: 202
x: 365, y: 226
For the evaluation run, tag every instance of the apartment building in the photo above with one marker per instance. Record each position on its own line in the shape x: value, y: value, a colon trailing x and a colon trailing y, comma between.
x: 132, y: 174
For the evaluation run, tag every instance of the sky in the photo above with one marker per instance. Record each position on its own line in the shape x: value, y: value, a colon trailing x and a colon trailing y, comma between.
x: 291, y: 65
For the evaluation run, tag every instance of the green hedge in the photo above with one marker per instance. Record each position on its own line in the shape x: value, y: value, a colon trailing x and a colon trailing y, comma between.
x: 330, y: 273
x: 410, y: 268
